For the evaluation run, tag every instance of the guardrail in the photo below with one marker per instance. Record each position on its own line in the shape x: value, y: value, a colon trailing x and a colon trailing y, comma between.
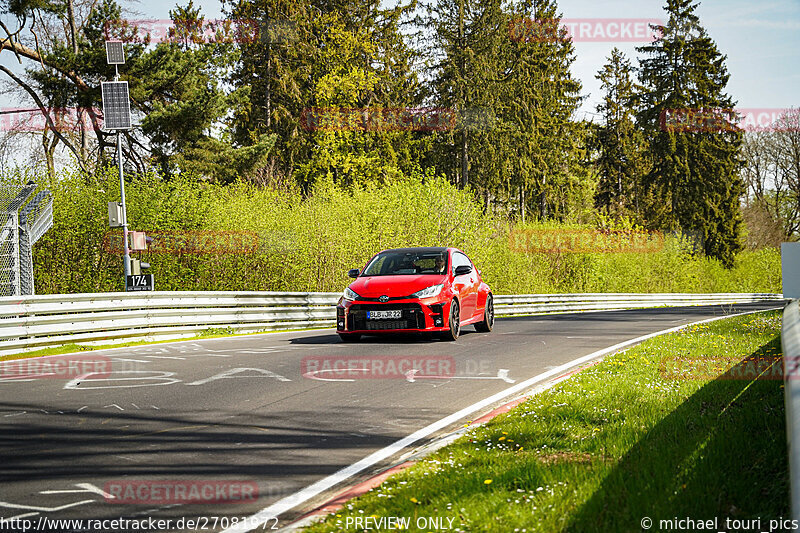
x: 547, y: 303
x: 790, y: 342
x: 32, y: 322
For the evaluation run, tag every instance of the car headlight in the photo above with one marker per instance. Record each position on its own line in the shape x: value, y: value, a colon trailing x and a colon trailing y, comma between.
x: 350, y: 294
x: 431, y: 291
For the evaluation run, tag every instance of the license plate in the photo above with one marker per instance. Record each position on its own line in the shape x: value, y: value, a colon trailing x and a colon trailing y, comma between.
x: 397, y: 313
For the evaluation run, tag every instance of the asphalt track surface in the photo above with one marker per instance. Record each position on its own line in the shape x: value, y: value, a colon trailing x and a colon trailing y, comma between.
x: 269, y: 410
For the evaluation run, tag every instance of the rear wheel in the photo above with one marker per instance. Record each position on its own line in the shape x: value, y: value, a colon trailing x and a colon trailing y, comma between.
x: 488, y: 316
x: 350, y: 337
x: 454, y: 322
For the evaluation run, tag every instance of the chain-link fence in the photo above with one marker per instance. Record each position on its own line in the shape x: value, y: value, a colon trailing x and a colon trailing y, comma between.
x: 24, y: 217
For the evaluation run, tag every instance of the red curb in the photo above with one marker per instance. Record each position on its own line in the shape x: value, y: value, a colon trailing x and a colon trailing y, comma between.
x: 338, y: 502
x: 510, y: 405
x: 499, y: 411
x: 575, y: 371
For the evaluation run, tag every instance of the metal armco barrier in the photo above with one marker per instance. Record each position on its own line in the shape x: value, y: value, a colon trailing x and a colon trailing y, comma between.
x: 790, y: 341
x: 33, y: 322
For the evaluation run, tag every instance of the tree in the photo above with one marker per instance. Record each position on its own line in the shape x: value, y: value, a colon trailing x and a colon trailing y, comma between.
x: 182, y: 101
x: 620, y: 144
x: 43, y: 26
x: 542, y: 101
x: 772, y: 175
x: 694, y: 179
x: 344, y: 149
x: 173, y: 87
x: 518, y: 81
x: 282, y: 80
x: 467, y: 39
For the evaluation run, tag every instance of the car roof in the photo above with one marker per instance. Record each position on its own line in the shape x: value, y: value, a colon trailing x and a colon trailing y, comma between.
x: 422, y: 249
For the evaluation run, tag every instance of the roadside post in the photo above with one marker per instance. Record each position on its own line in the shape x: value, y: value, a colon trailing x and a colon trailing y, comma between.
x: 117, y: 117
x: 790, y: 267
x: 790, y: 341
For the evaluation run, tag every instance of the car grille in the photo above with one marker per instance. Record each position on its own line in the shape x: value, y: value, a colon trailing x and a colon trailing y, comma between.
x: 391, y: 298
x: 412, y: 317
x: 387, y: 324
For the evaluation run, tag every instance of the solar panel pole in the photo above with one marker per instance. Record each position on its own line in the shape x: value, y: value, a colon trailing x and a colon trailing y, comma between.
x: 126, y: 258
x: 127, y: 254
x: 115, y: 54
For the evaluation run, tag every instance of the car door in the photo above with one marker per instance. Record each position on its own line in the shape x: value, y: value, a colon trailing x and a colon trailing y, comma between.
x: 475, y: 283
x: 465, y: 286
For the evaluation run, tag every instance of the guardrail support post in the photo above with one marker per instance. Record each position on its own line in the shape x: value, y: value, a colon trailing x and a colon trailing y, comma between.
x: 790, y: 342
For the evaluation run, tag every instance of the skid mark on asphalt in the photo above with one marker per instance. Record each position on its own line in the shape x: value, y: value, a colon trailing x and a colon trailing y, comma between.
x: 231, y: 374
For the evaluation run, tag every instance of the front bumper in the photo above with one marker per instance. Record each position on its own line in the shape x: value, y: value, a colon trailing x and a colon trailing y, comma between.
x: 415, y: 316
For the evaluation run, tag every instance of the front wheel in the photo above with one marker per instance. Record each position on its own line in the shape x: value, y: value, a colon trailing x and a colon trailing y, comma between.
x: 454, y: 322
x: 488, y: 317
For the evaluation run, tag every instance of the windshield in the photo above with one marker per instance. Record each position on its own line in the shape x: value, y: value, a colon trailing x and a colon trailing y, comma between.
x: 405, y: 263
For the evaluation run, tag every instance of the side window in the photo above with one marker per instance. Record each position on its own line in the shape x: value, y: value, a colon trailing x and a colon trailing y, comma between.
x: 459, y: 260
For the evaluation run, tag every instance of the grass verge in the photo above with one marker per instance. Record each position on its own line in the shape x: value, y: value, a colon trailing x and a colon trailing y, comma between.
x: 674, y: 427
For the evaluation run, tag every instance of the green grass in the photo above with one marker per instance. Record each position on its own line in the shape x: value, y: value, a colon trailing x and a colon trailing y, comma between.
x: 619, y: 441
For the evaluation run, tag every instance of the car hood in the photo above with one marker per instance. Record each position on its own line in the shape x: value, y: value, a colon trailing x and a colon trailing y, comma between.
x: 394, y: 286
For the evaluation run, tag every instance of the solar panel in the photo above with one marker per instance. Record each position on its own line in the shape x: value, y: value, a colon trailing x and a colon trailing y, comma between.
x: 116, y: 105
x: 115, y: 53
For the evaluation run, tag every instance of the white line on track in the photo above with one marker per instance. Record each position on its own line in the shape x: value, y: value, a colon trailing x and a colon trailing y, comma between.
x: 313, y: 490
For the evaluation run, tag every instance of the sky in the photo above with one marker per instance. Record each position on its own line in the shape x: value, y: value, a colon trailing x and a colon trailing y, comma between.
x: 761, y: 41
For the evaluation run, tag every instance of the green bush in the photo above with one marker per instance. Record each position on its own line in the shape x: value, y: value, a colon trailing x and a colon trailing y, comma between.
x: 309, y: 244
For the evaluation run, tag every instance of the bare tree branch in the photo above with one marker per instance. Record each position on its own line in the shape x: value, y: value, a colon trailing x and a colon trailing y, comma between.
x: 21, y: 50
x: 47, y: 116
x: 11, y: 36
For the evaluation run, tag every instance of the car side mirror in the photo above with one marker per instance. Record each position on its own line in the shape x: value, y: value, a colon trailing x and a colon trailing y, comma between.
x: 463, y: 269
x: 353, y: 273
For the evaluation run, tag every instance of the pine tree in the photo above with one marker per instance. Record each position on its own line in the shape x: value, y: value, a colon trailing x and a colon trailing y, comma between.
x: 618, y: 141
x: 542, y: 98
x: 694, y: 179
x: 271, y: 72
x: 279, y: 78
x: 490, y: 63
x: 467, y: 38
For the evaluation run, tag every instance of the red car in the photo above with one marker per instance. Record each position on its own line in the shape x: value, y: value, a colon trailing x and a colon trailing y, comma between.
x: 415, y: 290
